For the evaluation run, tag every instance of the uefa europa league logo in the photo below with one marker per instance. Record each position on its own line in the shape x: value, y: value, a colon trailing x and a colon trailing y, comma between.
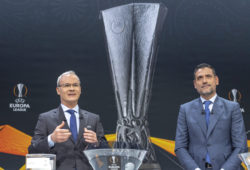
x: 20, y: 89
x: 113, y: 159
x: 234, y: 95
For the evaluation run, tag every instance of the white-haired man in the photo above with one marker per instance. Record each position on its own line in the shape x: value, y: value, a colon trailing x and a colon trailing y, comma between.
x: 67, y: 130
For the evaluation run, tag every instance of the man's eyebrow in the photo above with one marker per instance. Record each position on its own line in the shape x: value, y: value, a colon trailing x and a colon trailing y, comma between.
x: 209, y: 74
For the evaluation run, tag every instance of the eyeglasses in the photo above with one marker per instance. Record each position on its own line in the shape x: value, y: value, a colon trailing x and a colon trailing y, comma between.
x: 67, y: 85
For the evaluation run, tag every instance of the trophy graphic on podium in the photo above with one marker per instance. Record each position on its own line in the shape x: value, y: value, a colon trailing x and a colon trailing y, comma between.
x: 132, y: 33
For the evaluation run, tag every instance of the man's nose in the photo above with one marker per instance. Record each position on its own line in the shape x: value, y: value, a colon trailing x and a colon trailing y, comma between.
x: 204, y: 80
x: 71, y: 88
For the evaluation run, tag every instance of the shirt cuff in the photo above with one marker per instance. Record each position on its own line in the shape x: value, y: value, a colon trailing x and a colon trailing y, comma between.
x: 50, y: 142
x: 197, y: 169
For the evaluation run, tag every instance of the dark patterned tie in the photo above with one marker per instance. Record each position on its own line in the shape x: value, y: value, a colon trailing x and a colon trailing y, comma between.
x: 207, y: 111
x: 73, y: 127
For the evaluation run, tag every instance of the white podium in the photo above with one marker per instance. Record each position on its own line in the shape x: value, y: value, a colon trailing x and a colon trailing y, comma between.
x: 40, y: 162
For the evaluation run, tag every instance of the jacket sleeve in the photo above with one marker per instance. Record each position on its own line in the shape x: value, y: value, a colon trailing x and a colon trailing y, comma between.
x: 182, y: 142
x: 239, y: 139
x: 39, y: 142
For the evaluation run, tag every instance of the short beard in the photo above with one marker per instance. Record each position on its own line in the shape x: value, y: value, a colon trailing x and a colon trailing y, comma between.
x: 207, y: 93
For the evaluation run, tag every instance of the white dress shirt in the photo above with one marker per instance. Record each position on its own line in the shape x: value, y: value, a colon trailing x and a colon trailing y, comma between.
x: 211, y: 105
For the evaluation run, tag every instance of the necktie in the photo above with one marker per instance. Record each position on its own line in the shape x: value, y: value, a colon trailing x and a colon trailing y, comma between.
x: 207, y: 111
x: 73, y: 127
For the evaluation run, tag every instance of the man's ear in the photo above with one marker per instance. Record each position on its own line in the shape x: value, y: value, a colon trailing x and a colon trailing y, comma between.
x: 58, y: 91
x: 194, y: 84
x: 217, y: 80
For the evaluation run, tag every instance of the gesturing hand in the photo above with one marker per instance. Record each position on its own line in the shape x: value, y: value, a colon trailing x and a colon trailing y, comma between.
x: 89, y: 136
x: 60, y: 135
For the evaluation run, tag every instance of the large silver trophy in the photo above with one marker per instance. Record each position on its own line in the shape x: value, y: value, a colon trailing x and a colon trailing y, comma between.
x: 132, y: 32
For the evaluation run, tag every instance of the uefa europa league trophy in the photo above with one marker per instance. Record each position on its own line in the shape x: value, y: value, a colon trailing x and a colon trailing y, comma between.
x: 131, y: 32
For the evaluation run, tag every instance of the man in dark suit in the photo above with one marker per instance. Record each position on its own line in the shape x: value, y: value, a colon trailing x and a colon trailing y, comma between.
x: 210, y: 130
x: 67, y: 130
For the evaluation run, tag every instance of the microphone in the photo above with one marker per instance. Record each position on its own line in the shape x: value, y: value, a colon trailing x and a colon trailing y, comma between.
x: 89, y: 127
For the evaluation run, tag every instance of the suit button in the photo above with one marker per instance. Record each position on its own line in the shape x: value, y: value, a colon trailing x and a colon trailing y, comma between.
x: 208, y: 144
x: 75, y: 148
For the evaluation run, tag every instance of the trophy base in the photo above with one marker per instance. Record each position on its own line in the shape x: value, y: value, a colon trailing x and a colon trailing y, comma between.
x: 150, y: 166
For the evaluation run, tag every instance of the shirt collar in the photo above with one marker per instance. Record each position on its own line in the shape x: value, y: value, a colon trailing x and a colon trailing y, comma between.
x: 212, y: 99
x: 65, y: 108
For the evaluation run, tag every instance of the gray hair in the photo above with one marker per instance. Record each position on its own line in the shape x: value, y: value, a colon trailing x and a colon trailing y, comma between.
x: 70, y: 72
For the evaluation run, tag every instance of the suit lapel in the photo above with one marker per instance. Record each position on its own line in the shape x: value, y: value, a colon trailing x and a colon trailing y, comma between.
x: 200, y: 116
x: 216, y: 114
x: 82, y: 123
x: 61, y: 117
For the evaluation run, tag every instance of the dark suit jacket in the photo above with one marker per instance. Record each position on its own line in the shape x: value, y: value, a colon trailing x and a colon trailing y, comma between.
x: 69, y: 155
x: 224, y: 139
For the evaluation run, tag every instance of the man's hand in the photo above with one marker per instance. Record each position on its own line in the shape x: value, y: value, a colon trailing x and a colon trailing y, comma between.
x: 60, y: 135
x: 90, y: 136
